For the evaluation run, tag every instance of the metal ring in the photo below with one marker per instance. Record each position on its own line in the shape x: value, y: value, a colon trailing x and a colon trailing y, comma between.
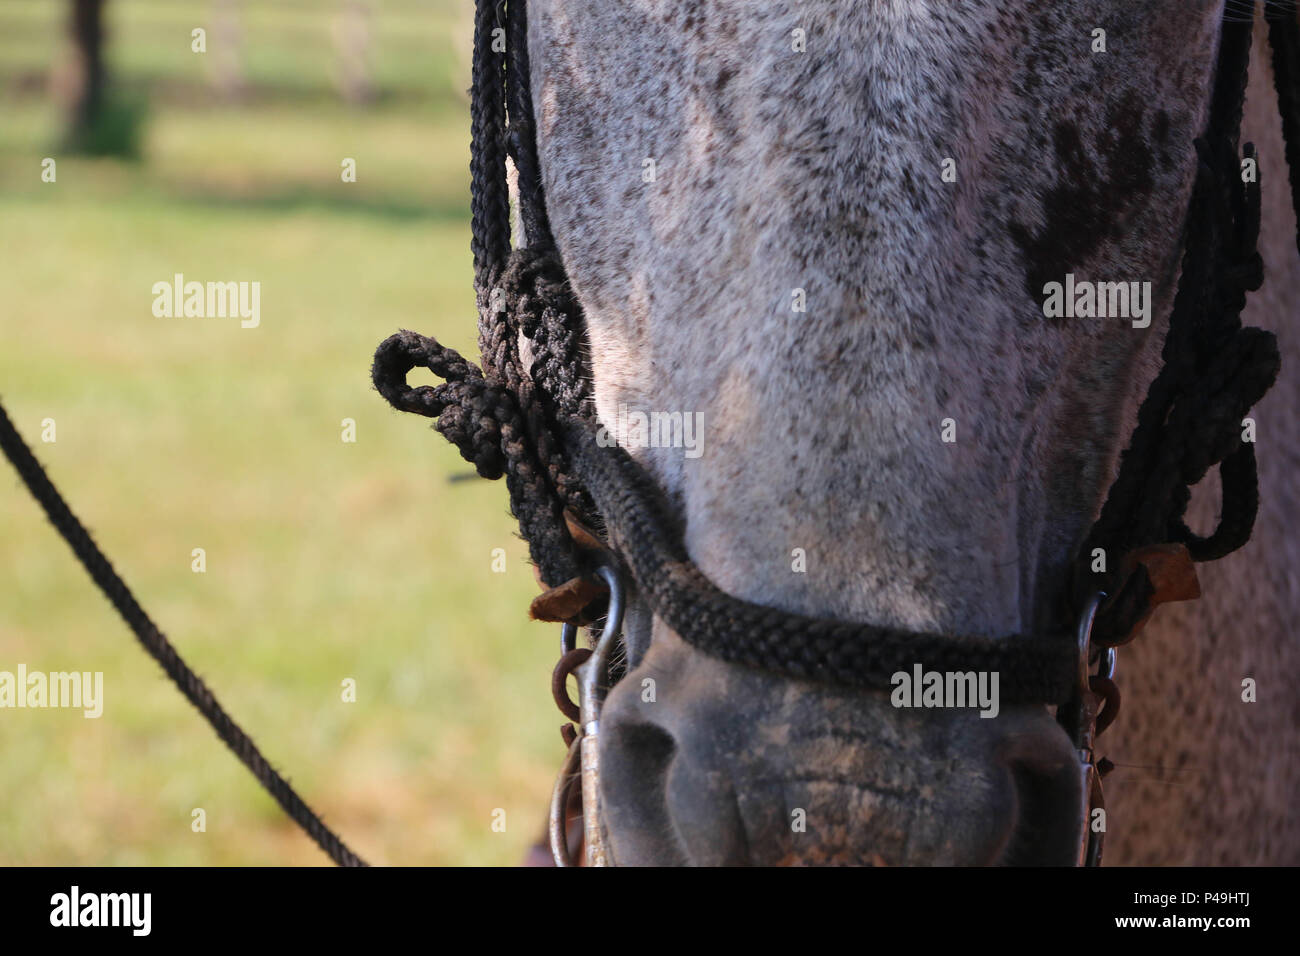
x: 1108, y: 665
x: 565, y: 666
x: 593, y: 680
x: 1085, y: 636
x: 591, y: 694
x: 1108, y: 691
x: 558, y: 825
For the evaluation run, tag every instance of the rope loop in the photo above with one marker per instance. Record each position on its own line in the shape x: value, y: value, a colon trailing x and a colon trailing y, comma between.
x: 469, y: 411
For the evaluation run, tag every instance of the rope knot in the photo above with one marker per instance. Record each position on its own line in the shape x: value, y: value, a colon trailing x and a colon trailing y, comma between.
x: 471, y: 420
x: 534, y: 288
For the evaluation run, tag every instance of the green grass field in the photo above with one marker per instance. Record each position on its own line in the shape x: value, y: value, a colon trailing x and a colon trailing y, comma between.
x: 325, y: 560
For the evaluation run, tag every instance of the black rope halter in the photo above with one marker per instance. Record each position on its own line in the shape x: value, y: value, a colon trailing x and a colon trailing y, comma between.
x: 535, y: 423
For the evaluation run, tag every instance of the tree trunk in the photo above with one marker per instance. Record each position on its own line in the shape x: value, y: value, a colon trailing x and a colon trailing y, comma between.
x: 87, y: 32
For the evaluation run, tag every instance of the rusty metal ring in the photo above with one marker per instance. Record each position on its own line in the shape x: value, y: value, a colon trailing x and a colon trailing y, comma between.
x: 565, y: 666
x: 1108, y: 691
x: 558, y: 823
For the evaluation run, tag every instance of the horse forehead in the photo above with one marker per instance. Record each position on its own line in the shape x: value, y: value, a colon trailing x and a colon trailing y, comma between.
x: 806, y: 143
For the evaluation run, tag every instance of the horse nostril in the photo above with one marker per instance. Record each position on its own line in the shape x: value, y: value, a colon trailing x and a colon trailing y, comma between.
x: 634, y: 761
x: 1048, y: 812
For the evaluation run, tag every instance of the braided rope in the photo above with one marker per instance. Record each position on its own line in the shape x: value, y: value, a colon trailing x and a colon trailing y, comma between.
x: 1214, y: 370
x: 1284, y: 38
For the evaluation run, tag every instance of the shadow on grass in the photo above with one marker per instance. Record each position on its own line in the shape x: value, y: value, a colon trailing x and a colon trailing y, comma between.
x: 164, y: 88
x: 270, y: 198
x: 388, y: 208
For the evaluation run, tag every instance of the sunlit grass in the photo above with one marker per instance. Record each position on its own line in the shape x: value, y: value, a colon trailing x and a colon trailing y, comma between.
x: 325, y: 560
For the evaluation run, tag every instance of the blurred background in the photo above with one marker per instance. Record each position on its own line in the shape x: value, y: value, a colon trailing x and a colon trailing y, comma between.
x: 325, y: 560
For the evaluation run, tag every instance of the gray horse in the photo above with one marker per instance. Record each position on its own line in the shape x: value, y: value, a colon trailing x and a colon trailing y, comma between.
x: 825, y: 230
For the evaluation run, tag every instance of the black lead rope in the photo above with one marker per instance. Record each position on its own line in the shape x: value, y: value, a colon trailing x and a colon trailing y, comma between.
x: 161, y: 649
